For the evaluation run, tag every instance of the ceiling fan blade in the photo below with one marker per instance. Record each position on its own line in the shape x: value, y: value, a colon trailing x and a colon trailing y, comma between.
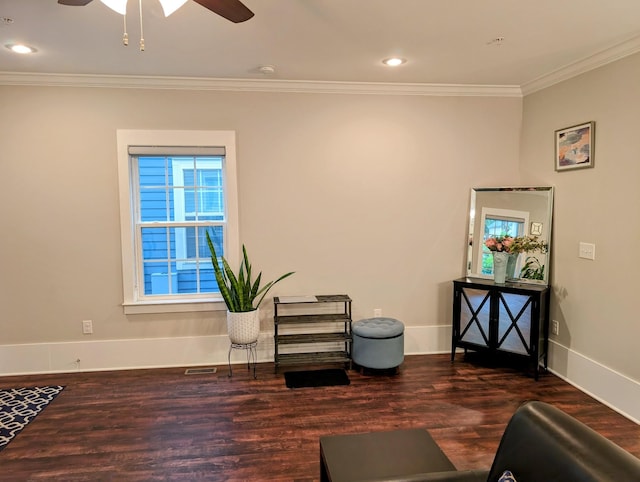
x: 233, y: 10
x: 74, y: 3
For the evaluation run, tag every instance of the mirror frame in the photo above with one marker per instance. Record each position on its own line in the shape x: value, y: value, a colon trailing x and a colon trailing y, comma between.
x: 511, y: 200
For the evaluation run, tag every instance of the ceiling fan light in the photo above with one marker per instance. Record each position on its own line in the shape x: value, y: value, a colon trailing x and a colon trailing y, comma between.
x: 119, y: 6
x: 170, y: 6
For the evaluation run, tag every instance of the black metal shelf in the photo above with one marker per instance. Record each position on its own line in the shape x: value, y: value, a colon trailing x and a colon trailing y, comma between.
x: 300, y: 314
x: 312, y: 338
x: 323, y: 318
x: 314, y: 358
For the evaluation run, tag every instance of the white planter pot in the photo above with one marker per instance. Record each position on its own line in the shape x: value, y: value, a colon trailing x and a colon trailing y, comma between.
x: 243, y: 327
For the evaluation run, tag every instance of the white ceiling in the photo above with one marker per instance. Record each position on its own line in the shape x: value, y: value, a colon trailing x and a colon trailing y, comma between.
x: 444, y: 41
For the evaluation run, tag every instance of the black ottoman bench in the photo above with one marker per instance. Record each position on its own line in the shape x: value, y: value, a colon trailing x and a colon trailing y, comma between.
x: 379, y: 455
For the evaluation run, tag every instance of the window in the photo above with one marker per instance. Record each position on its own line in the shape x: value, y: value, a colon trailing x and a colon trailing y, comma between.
x: 174, y: 187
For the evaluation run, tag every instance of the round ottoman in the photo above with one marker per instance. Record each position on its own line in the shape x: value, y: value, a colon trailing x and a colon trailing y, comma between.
x: 378, y: 343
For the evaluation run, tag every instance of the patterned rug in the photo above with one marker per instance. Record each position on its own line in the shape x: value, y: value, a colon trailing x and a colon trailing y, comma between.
x: 19, y: 406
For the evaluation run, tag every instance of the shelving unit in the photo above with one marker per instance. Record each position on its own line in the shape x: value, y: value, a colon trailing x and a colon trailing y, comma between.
x: 302, y: 323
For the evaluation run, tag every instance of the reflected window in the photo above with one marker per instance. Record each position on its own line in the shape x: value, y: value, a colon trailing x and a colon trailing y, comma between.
x: 494, y: 227
x: 499, y: 222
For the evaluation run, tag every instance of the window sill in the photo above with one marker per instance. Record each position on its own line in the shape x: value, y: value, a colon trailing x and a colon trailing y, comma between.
x: 170, y: 306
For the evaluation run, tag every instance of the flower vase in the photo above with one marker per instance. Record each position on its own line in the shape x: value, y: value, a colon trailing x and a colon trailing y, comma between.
x: 511, y: 265
x: 500, y: 259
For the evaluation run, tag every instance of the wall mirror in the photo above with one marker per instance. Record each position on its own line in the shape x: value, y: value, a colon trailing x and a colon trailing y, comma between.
x: 512, y: 211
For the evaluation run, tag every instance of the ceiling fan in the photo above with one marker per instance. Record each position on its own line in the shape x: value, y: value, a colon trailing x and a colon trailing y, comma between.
x: 233, y: 10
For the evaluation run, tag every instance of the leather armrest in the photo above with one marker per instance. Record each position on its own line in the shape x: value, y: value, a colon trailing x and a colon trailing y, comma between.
x: 541, y: 442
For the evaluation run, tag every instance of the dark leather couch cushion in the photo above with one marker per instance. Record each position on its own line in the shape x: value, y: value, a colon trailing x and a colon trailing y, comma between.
x: 542, y: 443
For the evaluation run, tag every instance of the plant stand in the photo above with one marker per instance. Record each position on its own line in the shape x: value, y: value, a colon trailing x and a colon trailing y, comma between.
x: 252, y: 355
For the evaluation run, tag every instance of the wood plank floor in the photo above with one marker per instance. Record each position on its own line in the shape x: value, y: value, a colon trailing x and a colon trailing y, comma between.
x: 165, y: 425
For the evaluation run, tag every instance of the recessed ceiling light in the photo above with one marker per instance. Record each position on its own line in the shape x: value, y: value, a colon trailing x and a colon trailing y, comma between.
x: 21, y: 48
x: 394, y: 61
x: 267, y: 69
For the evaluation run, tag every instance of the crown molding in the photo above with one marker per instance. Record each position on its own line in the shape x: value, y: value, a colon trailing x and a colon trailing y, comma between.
x: 574, y: 69
x: 256, y: 85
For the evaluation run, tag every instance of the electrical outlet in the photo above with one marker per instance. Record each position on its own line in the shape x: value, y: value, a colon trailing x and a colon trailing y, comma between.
x: 87, y: 327
x: 555, y: 327
x: 587, y: 251
x: 377, y: 312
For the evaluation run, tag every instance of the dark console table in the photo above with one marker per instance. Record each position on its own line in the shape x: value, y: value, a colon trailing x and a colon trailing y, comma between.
x: 510, y: 318
x: 377, y: 455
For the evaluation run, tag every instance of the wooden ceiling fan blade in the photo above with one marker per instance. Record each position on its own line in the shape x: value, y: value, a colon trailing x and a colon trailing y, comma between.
x: 233, y: 10
x: 74, y: 3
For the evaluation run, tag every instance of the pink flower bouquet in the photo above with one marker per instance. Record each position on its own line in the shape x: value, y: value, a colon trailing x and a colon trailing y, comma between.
x: 499, y: 243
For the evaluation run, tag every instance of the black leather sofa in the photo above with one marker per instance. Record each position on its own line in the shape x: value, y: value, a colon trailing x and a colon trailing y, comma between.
x: 544, y: 444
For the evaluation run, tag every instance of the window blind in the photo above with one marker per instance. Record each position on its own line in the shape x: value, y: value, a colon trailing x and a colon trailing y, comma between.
x: 176, y: 151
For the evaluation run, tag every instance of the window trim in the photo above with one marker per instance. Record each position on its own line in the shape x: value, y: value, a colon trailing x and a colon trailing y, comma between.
x: 132, y: 302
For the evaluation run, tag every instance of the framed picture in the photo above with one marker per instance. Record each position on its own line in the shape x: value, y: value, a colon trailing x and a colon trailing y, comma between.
x: 575, y: 146
x: 536, y: 229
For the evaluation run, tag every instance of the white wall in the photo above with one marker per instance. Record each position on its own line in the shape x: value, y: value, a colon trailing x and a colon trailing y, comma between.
x: 359, y: 194
x: 595, y: 302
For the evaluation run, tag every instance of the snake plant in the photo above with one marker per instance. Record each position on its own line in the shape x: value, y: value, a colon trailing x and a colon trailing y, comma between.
x: 239, y: 292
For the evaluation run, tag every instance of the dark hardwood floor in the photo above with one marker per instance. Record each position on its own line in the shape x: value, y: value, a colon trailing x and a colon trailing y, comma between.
x: 165, y: 425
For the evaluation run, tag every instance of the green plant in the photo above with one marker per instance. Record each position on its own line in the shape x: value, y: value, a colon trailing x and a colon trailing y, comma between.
x: 528, y: 244
x: 532, y: 269
x: 239, y: 292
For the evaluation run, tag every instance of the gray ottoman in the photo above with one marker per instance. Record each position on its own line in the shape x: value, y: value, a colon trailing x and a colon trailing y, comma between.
x: 378, y: 343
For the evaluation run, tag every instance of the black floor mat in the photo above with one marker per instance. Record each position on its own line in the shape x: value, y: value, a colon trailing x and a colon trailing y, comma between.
x: 316, y: 378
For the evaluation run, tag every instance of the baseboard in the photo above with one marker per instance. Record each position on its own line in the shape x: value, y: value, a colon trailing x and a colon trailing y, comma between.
x: 104, y: 355
x: 609, y: 387
x: 604, y: 384
x: 427, y: 340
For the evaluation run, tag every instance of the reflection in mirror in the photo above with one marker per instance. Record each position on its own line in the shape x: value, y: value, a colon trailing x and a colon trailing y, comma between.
x: 516, y: 212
